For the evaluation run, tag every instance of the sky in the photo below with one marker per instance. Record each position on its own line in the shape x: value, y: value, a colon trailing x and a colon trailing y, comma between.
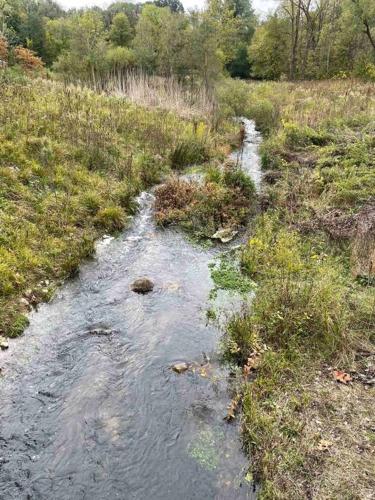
x: 261, y: 6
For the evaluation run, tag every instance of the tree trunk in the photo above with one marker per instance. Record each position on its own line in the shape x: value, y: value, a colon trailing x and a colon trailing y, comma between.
x: 296, y: 17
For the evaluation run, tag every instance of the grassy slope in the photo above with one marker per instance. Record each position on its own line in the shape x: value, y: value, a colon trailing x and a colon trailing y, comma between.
x: 71, y: 162
x: 309, y: 436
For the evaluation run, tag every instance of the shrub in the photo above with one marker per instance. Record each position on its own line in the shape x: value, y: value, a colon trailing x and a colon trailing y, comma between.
x: 236, y: 178
x: 27, y: 59
x: 120, y: 58
x: 297, y: 135
x: 3, y: 49
x: 233, y: 97
x: 203, y: 208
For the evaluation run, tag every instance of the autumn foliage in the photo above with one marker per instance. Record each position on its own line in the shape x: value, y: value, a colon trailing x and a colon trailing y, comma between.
x: 27, y: 59
x: 3, y: 49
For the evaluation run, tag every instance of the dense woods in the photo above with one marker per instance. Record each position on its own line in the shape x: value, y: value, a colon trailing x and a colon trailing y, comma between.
x: 301, y: 39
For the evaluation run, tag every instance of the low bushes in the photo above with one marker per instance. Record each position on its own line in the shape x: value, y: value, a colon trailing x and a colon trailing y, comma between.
x: 237, y: 98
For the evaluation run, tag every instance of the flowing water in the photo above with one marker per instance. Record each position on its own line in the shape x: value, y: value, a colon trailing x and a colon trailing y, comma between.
x: 90, y: 408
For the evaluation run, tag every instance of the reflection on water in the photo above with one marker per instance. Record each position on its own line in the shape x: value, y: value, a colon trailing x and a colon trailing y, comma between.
x: 102, y: 416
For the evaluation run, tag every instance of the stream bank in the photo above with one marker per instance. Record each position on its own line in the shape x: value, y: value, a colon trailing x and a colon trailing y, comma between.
x: 102, y: 416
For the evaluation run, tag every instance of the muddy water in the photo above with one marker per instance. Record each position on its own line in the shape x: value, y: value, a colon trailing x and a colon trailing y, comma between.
x: 90, y: 416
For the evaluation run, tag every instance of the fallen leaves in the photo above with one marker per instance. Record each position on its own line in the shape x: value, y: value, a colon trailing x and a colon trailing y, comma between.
x: 251, y: 364
x: 324, y: 445
x: 342, y: 377
x: 232, y: 408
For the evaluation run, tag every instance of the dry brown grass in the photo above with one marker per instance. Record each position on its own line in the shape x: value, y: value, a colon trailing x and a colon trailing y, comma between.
x: 314, y: 102
x: 335, y: 444
x: 160, y: 92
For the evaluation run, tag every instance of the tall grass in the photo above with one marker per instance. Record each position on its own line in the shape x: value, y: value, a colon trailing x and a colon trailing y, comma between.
x: 168, y: 93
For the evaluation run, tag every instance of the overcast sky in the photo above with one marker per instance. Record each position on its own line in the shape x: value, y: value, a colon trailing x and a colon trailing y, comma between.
x: 261, y: 6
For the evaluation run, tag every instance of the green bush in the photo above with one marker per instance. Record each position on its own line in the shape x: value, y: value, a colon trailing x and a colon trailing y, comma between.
x: 297, y: 135
x: 233, y: 97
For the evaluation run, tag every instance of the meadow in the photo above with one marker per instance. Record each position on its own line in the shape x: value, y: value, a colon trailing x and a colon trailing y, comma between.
x: 305, y: 343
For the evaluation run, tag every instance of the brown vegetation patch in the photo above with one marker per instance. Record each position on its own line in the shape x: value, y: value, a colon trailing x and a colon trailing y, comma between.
x: 363, y: 247
x: 205, y: 207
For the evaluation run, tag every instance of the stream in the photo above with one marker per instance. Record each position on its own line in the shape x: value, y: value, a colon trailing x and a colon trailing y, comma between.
x: 87, y: 415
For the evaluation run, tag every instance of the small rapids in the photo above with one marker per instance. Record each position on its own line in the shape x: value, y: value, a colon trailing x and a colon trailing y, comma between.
x: 102, y: 416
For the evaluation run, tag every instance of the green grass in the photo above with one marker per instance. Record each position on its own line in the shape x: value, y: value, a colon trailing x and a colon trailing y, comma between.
x: 314, y: 306
x: 226, y: 275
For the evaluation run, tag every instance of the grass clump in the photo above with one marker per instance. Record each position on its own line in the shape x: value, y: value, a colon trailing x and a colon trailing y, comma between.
x: 189, y: 152
x: 302, y: 295
x: 223, y: 200
x: 110, y: 218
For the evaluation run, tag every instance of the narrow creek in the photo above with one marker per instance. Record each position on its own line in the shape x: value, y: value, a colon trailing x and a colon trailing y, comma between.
x: 89, y: 416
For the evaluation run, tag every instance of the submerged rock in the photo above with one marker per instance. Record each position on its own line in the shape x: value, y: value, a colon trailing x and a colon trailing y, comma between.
x: 4, y: 344
x: 102, y: 332
x: 142, y: 285
x: 180, y: 367
x: 225, y: 235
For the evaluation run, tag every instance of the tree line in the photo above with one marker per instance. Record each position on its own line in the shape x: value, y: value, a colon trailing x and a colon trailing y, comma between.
x: 301, y: 39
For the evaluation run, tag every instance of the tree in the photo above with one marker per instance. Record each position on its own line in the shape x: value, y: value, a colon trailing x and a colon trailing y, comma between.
x: 58, y: 34
x: 365, y: 11
x: 206, y: 59
x: 146, y: 42
x: 235, y: 23
x: 174, y: 5
x: 131, y: 10
x: 268, y: 52
x: 120, y: 33
x: 160, y: 41
x: 85, y: 56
